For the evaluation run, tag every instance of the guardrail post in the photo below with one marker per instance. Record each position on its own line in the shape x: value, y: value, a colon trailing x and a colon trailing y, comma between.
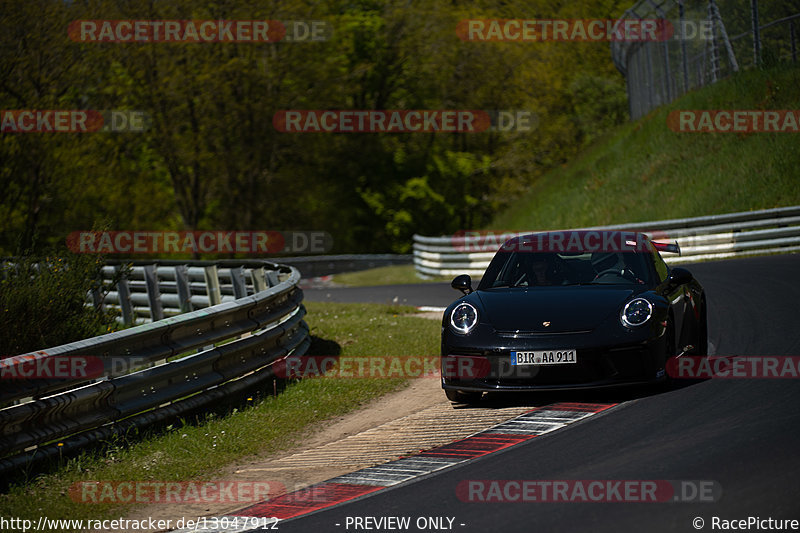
x: 124, y: 292
x: 184, y: 289
x: 212, y: 285
x: 239, y: 285
x: 97, y: 298
x: 153, y: 294
x: 259, y: 279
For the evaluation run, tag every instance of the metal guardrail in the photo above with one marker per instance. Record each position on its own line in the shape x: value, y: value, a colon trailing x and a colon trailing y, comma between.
x: 700, y: 238
x: 147, y: 291
x: 221, y: 349
x: 153, y: 291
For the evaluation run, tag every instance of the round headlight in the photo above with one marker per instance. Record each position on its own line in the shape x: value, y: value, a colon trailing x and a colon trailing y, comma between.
x: 464, y: 317
x: 636, y: 312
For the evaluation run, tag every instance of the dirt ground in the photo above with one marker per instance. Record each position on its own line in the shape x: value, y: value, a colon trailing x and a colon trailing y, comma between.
x: 419, y: 395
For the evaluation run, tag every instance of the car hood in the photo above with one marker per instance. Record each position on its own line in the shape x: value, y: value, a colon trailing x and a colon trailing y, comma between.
x: 579, y: 308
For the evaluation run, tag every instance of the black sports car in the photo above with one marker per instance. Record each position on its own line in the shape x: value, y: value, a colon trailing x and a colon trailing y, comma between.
x: 571, y: 310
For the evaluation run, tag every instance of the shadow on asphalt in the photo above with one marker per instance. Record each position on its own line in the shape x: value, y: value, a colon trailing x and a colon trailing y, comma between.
x: 540, y: 399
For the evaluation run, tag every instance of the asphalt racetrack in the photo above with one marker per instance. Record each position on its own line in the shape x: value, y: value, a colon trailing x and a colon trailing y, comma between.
x: 416, y: 294
x: 742, y: 434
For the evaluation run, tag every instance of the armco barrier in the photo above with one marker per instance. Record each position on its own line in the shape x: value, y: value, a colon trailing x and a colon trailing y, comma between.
x: 700, y: 238
x: 147, y: 292
x: 154, y: 291
x: 152, y: 372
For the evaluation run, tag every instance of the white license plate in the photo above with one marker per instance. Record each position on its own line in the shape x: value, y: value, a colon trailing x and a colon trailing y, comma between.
x: 544, y: 357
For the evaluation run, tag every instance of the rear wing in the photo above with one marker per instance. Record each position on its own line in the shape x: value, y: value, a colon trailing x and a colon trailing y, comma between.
x: 671, y: 247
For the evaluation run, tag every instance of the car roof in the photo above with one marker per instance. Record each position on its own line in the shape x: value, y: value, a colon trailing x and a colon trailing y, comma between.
x: 579, y: 241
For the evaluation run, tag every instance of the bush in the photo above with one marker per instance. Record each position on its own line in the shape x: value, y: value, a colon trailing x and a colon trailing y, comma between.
x: 43, y: 302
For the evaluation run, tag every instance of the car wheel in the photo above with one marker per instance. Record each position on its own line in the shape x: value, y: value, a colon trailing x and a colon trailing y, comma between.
x: 462, y: 397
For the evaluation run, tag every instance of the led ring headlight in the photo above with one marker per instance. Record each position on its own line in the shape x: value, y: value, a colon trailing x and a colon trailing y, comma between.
x: 463, y: 318
x: 636, y: 312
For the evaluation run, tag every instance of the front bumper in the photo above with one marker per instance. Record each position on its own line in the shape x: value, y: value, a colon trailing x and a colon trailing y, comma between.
x: 467, y: 368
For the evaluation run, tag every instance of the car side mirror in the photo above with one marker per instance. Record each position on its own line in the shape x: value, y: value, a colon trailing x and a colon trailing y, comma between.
x: 680, y: 276
x: 462, y: 283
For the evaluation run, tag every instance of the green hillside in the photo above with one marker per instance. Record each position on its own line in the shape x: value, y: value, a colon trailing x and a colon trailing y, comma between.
x: 645, y: 171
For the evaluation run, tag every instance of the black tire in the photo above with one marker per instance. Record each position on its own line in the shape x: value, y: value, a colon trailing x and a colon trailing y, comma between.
x: 458, y: 396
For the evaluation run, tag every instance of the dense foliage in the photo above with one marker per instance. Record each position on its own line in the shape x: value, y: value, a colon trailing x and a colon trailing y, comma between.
x: 212, y: 158
x: 42, y: 302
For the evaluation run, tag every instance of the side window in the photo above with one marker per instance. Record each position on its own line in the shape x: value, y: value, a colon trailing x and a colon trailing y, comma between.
x: 661, y: 267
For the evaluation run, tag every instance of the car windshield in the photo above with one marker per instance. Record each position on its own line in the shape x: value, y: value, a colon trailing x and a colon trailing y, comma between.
x: 529, y: 269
